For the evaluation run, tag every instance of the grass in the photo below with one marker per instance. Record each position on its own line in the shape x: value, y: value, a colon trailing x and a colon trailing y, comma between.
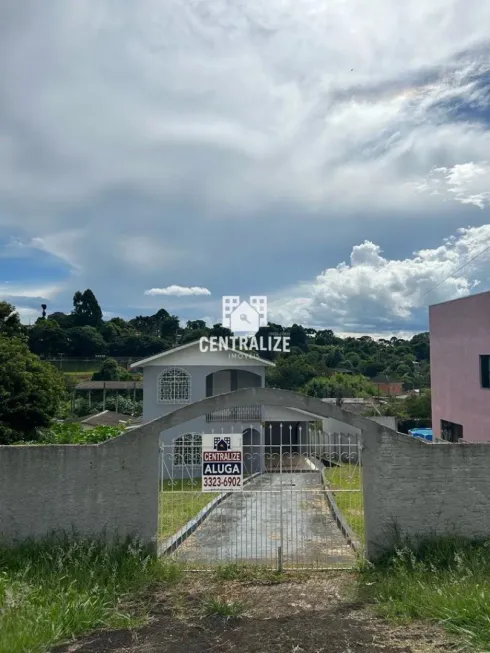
x: 247, y: 573
x: 58, y: 589
x: 345, y: 483
x: 219, y: 607
x: 443, y: 580
x: 180, y: 501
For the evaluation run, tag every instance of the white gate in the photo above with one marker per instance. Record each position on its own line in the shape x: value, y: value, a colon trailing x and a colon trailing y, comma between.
x: 301, y: 506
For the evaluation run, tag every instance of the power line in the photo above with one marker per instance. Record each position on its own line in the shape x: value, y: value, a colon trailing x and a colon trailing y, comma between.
x: 457, y: 270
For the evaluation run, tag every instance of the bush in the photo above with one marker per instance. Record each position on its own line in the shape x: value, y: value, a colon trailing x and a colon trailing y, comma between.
x: 125, y: 406
x: 76, y: 434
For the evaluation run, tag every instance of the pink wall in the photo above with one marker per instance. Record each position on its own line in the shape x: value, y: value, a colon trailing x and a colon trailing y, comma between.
x: 459, y: 333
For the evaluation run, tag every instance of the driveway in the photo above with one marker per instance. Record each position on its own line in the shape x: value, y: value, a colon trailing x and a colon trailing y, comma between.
x: 246, y: 527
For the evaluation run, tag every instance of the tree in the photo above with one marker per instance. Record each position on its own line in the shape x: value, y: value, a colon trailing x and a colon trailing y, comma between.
x: 47, y: 338
x: 10, y: 324
x: 137, y: 346
x: 325, y: 337
x: 63, y: 320
x: 219, y: 331
x: 291, y: 372
x: 420, y: 345
x: 86, y: 309
x: 30, y: 391
x: 195, y: 325
x: 85, y: 342
x: 298, y: 337
x: 372, y: 368
x: 111, y: 371
x: 340, y: 385
x: 419, y: 406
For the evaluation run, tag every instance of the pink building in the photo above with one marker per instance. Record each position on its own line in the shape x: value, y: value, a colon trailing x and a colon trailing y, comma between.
x: 460, y: 368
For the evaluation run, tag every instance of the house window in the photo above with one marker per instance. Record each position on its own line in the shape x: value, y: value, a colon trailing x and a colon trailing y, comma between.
x: 188, y: 449
x: 485, y: 371
x: 174, y: 386
x: 450, y: 431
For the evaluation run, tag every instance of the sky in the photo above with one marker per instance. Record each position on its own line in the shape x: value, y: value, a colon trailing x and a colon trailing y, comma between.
x: 334, y: 157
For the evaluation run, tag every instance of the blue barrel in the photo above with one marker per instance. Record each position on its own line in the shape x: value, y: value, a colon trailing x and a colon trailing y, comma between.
x: 425, y: 434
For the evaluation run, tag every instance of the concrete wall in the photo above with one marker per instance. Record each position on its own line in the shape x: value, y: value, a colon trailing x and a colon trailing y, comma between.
x: 109, y: 488
x: 335, y: 426
x: 459, y: 334
x: 424, y: 489
x: 112, y: 488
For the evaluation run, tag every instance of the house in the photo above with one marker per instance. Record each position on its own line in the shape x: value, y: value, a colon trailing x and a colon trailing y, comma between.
x: 184, y: 375
x: 460, y: 368
x: 387, y: 386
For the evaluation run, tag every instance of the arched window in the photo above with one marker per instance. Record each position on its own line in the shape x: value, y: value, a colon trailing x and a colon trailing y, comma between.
x: 174, y: 386
x: 188, y: 449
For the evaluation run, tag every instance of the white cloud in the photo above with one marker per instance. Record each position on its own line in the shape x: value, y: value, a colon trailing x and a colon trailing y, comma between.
x: 178, y: 291
x: 151, y: 135
x: 467, y: 183
x: 372, y: 294
x: 28, y: 315
x: 9, y: 290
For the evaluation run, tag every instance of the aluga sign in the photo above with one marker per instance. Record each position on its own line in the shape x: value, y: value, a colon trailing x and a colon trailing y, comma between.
x: 222, y: 462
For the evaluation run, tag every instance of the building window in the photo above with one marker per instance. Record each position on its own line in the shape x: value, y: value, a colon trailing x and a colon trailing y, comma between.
x: 188, y: 449
x: 174, y: 386
x: 485, y: 371
x: 450, y: 431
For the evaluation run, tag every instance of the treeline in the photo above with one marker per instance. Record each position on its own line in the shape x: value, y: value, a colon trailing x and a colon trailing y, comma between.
x: 319, y: 363
x: 314, y: 355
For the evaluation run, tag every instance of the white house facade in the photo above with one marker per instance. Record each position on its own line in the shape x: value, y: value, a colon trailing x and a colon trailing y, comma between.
x: 186, y: 374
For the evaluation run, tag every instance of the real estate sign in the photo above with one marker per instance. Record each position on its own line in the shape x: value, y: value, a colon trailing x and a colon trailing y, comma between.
x: 222, y: 462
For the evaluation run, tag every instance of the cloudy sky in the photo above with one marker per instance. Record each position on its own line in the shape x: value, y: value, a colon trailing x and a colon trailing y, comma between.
x: 332, y: 156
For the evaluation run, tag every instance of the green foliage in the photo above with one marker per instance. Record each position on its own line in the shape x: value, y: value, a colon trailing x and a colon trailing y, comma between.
x: 419, y: 407
x: 59, y: 589
x: 86, y: 309
x: 442, y: 580
x: 111, y: 371
x: 47, y: 338
x: 220, y: 607
x: 84, y: 334
x: 291, y: 372
x: 66, y: 433
x: 124, y: 405
x: 343, y: 385
x: 10, y: 324
x: 85, y: 341
x: 30, y: 391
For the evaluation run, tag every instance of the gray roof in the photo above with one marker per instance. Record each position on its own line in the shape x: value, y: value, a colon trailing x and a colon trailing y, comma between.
x: 107, y: 418
x: 109, y: 385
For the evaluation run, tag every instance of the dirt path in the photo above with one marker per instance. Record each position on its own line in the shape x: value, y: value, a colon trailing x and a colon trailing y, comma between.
x: 304, y: 616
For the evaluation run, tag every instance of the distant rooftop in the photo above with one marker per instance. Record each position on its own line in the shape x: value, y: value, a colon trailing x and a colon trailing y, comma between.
x: 107, y: 418
x: 109, y: 385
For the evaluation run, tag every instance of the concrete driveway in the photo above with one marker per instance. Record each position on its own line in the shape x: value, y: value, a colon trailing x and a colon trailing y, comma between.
x: 246, y: 527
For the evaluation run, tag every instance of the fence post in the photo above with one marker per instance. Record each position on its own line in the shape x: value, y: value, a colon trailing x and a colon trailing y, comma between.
x: 281, y: 508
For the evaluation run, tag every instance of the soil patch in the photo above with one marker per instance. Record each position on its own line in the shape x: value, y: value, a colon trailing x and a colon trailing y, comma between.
x: 311, y: 615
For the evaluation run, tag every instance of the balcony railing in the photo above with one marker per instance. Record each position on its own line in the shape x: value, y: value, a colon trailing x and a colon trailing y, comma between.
x: 238, y: 414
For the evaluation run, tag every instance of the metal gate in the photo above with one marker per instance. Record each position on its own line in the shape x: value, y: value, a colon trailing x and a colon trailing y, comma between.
x: 301, y: 506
